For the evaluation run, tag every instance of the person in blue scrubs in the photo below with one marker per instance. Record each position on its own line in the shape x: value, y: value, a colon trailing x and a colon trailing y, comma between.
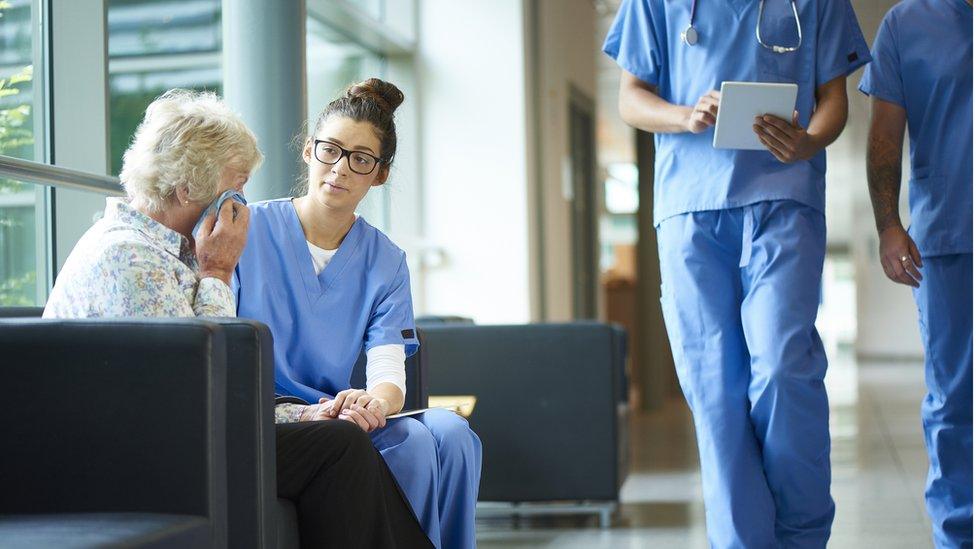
x: 330, y: 286
x: 741, y: 237
x: 922, y: 74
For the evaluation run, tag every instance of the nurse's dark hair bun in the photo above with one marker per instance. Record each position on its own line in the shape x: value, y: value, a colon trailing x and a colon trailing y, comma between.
x: 384, y: 94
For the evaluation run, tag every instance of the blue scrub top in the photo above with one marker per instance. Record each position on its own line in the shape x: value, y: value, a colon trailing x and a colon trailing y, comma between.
x: 690, y: 175
x: 923, y: 61
x: 321, y: 323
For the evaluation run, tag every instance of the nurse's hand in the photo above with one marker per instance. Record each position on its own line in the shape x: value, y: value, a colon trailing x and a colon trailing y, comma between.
x: 788, y: 142
x: 899, y: 256
x: 221, y: 241
x: 346, y: 399
x: 704, y: 114
x: 368, y: 420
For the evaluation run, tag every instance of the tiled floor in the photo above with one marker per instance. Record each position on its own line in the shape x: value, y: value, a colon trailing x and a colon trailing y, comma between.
x: 879, y: 467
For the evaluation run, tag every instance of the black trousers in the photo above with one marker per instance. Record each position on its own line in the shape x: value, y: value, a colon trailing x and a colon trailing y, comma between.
x: 345, y: 494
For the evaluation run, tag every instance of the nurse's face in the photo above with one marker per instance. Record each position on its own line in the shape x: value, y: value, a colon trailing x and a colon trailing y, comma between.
x: 338, y: 186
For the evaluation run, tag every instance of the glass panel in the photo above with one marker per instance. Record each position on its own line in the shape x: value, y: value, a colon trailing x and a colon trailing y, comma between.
x: 20, y: 203
x: 333, y: 62
x: 156, y: 45
x: 18, y: 244
x: 375, y: 8
x: 400, y: 16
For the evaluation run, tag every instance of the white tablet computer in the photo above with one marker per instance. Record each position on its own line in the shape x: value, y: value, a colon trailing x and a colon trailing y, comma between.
x: 741, y: 103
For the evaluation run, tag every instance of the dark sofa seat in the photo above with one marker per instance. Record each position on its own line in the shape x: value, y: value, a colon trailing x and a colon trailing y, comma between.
x: 117, y: 530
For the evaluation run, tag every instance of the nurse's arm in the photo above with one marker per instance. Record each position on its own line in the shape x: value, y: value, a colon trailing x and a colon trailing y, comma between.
x: 642, y: 108
x: 830, y: 114
x: 391, y: 394
x: 790, y: 142
x: 885, y: 138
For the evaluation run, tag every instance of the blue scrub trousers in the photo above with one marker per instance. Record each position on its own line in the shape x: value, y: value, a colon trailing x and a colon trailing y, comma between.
x: 740, y: 293
x: 945, y: 300
x: 436, y: 459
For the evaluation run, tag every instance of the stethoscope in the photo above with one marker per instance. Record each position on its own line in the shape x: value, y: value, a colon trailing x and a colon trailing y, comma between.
x: 690, y: 36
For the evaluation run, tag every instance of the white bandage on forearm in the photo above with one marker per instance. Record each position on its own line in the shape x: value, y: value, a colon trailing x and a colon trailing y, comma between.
x: 386, y: 364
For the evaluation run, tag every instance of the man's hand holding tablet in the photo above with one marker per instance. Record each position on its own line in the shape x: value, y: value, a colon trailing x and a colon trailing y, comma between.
x: 787, y: 141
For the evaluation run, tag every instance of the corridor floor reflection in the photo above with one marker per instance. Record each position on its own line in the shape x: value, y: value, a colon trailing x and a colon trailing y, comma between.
x: 879, y: 467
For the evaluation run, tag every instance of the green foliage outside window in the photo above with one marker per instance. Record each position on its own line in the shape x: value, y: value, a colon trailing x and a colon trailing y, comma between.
x: 18, y: 292
x: 18, y: 278
x: 17, y: 139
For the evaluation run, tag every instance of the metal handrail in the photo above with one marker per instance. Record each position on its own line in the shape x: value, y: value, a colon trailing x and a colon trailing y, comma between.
x: 55, y: 176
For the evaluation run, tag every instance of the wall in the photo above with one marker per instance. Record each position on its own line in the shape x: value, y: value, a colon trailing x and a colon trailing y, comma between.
x: 474, y: 163
x: 566, y: 42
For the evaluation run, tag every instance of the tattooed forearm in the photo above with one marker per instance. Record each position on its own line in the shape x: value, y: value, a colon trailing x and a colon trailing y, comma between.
x: 884, y: 180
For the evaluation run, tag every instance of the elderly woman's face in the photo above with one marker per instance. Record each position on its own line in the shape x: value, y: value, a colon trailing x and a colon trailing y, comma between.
x: 230, y: 178
x: 233, y: 178
x: 342, y: 185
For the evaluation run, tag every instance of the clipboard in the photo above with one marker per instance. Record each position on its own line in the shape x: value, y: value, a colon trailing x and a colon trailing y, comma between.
x: 422, y: 410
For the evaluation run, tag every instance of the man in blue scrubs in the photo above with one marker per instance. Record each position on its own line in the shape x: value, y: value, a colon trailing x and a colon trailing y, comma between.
x: 922, y: 73
x: 742, y: 240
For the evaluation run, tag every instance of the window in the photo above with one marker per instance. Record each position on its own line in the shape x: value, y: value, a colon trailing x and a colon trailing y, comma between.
x: 21, y: 204
x: 156, y: 45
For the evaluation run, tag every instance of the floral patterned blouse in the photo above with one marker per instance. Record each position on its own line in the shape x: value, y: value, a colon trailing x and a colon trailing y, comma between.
x: 127, y: 265
x: 130, y: 265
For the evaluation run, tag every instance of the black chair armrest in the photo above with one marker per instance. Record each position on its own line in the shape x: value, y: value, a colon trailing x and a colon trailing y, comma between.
x: 417, y: 377
x: 113, y: 415
x: 21, y: 312
x: 251, y: 471
x: 620, y: 355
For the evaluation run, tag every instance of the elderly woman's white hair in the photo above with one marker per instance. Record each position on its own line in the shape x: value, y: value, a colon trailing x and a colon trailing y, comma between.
x: 187, y: 139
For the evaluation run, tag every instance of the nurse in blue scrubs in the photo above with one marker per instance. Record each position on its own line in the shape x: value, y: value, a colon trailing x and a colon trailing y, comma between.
x: 330, y: 285
x: 741, y: 237
x: 922, y: 75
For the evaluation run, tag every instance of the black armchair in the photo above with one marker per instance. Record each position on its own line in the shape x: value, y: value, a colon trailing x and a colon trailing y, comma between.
x: 113, y: 431
x: 104, y: 363
x: 575, y: 448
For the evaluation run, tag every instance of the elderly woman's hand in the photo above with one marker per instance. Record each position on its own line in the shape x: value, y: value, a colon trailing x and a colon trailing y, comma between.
x: 221, y: 241
x: 317, y: 412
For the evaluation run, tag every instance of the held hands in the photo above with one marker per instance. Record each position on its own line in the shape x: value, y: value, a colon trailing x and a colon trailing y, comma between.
x: 788, y: 142
x: 359, y: 407
x: 704, y: 114
x: 317, y: 412
x: 221, y: 241
x: 899, y: 256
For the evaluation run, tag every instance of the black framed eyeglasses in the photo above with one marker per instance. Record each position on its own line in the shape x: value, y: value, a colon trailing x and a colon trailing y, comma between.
x: 330, y: 153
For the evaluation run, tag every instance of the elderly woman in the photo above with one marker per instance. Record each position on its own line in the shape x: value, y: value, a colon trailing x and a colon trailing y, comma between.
x: 142, y: 260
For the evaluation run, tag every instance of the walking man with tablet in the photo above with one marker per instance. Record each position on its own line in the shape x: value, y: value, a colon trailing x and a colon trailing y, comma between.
x: 922, y: 75
x: 742, y: 240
